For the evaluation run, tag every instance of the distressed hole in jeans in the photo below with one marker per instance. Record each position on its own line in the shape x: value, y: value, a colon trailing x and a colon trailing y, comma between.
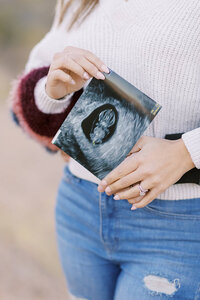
x: 197, y: 294
x: 72, y: 297
x: 162, y: 285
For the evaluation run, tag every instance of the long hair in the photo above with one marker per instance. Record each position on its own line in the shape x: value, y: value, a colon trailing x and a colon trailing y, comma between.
x: 85, y: 8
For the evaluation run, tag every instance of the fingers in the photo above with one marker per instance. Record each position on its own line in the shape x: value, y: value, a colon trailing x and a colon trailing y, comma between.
x: 78, y: 64
x: 125, y: 182
x: 130, y: 164
x: 140, y: 143
x: 62, y: 76
x: 149, y: 197
x: 90, y: 68
x: 127, y: 194
x: 132, y: 192
x: 96, y: 61
x: 68, y: 64
x: 88, y: 60
x: 135, y: 200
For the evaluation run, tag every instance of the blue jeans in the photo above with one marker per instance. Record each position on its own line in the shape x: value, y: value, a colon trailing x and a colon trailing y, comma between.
x: 110, y: 252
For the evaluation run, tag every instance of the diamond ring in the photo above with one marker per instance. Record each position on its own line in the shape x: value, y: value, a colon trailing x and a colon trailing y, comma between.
x: 142, y: 191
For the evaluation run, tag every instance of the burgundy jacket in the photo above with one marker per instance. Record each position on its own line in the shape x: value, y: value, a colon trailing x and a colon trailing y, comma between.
x: 36, y: 124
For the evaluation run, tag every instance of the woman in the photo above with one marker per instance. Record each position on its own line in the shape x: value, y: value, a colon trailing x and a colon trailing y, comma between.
x: 109, y: 251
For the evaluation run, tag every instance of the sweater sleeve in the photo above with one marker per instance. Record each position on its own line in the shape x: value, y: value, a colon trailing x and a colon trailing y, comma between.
x: 191, y: 140
x: 37, y: 114
x: 47, y: 104
x: 37, y: 124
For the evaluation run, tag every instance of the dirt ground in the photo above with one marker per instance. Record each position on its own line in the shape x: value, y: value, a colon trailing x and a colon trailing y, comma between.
x: 29, y: 264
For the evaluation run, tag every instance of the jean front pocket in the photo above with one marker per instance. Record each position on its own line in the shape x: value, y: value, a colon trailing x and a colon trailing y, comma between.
x: 182, y: 209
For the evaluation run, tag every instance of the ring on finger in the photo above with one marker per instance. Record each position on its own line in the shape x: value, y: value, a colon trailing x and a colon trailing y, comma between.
x: 142, y: 190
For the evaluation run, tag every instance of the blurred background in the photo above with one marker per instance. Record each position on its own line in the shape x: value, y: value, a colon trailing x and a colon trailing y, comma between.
x: 29, y: 176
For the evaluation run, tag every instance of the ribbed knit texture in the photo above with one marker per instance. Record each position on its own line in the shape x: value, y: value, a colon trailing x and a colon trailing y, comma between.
x: 47, y: 104
x: 191, y: 140
x: 36, y: 123
x: 155, y: 46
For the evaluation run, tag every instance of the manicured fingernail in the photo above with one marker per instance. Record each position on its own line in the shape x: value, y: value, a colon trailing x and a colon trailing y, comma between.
x: 73, y: 82
x: 117, y: 197
x: 133, y: 207
x: 105, y: 69
x: 104, y: 182
x: 100, y: 189
x: 108, y: 190
x: 86, y: 75
x: 100, y: 75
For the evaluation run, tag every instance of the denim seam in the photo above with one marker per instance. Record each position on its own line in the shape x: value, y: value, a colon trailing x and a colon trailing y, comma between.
x: 101, y: 204
x: 165, y: 214
x: 102, y: 208
x: 118, y: 223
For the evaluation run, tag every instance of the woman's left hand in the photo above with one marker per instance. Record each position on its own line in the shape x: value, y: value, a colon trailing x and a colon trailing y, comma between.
x: 65, y: 156
x: 154, y: 163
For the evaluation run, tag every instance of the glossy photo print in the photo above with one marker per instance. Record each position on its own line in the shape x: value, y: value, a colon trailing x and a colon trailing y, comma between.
x: 105, y: 123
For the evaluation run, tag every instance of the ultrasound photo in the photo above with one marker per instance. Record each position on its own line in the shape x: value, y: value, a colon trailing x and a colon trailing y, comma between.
x: 105, y: 123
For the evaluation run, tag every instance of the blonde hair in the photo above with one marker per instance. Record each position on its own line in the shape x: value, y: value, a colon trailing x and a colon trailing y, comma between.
x: 86, y: 7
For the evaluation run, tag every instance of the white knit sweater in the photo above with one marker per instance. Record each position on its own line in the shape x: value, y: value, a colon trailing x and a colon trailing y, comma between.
x: 155, y: 45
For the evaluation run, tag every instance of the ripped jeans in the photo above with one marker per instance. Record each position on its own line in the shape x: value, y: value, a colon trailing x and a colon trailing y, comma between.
x: 108, y: 251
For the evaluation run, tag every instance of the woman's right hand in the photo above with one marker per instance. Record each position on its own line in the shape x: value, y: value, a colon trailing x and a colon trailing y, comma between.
x: 70, y: 69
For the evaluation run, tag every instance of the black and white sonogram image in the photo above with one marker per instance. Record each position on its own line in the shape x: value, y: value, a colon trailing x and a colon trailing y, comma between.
x: 105, y: 123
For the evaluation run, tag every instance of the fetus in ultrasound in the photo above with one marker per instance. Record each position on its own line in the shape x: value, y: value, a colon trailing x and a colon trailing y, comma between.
x: 101, y: 129
x: 100, y: 125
